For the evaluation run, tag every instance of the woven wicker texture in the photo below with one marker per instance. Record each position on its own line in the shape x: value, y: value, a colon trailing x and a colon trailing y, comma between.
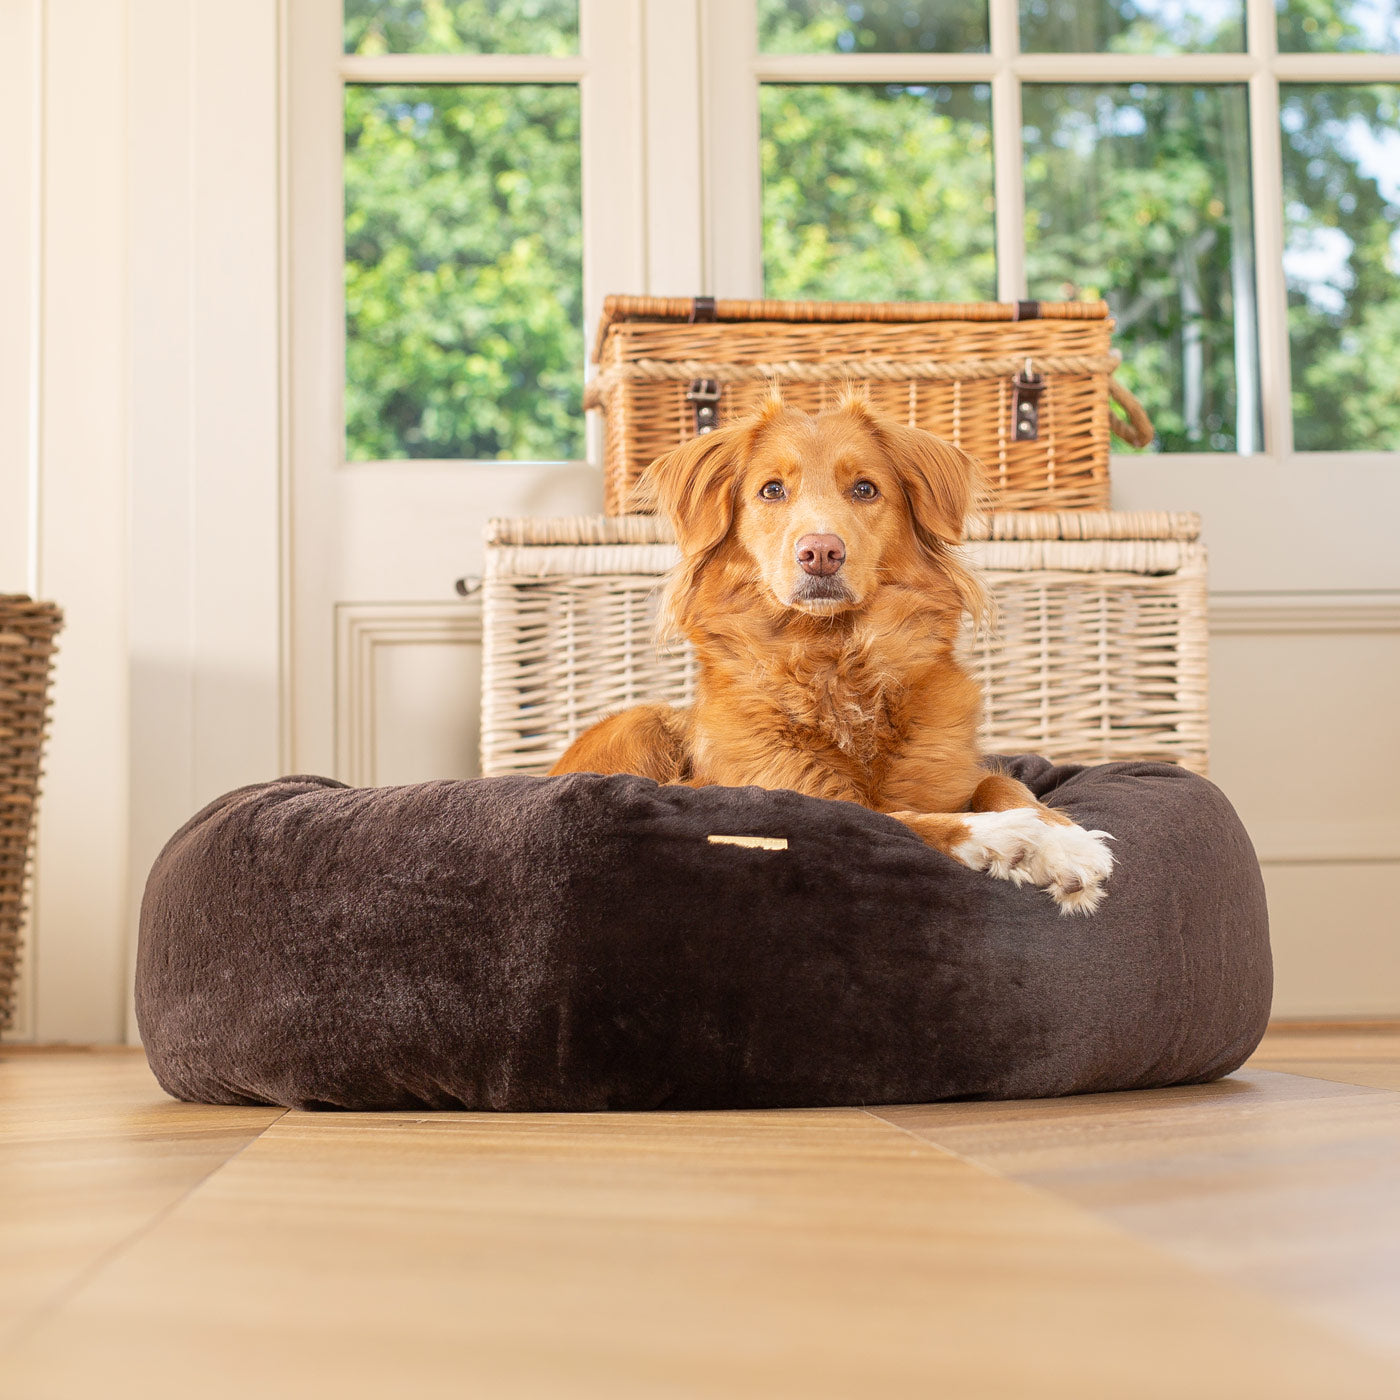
x: 947, y: 369
x: 1098, y: 653
x: 617, y: 309
x: 27, y: 632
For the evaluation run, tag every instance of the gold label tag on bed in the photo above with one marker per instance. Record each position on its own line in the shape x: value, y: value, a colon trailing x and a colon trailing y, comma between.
x: 756, y: 843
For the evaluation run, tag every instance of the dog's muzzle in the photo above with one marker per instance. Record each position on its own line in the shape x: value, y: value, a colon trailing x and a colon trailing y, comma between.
x: 823, y: 588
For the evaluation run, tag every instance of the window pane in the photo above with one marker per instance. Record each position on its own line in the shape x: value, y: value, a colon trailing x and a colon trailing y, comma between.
x: 1331, y: 26
x: 1341, y: 201
x: 461, y: 26
x: 878, y: 193
x: 1142, y: 195
x: 1132, y: 26
x: 463, y: 280
x: 875, y: 26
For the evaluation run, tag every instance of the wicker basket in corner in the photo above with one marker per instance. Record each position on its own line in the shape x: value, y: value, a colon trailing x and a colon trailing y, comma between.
x: 672, y: 367
x: 27, y: 632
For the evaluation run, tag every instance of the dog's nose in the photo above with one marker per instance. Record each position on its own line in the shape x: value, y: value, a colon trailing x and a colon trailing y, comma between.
x: 821, y: 555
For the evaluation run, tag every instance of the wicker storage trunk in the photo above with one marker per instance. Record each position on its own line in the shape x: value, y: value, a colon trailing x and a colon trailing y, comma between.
x: 669, y: 367
x: 27, y: 632
x: 1099, y: 650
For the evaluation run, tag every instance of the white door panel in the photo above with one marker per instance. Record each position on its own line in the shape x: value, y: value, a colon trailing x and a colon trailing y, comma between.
x: 408, y: 692
x: 385, y: 659
x: 409, y: 529
x: 395, y: 537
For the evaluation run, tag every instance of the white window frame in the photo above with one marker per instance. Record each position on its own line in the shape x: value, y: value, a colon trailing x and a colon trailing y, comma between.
x: 735, y: 69
x: 607, y: 71
x: 671, y: 172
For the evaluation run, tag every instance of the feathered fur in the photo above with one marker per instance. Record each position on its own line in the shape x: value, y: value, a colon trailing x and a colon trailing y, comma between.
x: 845, y: 687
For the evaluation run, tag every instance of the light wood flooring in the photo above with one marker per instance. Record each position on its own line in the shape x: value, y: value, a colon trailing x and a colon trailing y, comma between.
x: 1233, y: 1240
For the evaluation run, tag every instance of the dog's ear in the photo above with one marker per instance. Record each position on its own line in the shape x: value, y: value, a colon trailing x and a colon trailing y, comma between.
x: 941, y: 482
x: 694, y: 486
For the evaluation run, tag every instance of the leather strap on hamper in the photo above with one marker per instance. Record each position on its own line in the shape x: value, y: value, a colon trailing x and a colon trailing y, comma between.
x: 1136, y: 430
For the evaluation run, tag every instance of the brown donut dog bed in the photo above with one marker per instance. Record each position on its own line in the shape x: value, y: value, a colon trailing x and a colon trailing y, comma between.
x: 581, y: 943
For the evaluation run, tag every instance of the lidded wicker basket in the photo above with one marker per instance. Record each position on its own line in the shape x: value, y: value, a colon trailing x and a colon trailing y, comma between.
x: 1099, y: 651
x: 27, y: 633
x: 1021, y: 386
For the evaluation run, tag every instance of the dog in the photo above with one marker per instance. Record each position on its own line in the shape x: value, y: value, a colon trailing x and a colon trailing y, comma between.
x: 821, y: 586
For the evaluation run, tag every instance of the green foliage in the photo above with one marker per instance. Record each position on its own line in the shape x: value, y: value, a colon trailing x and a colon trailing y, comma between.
x: 872, y: 26
x: 877, y: 193
x: 1332, y: 26
x: 1141, y: 195
x: 1344, y: 314
x: 1131, y: 26
x: 463, y: 273
x: 461, y: 26
x: 463, y: 268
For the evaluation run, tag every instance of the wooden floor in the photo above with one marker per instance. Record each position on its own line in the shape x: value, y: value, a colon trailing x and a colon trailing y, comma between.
x: 1233, y: 1240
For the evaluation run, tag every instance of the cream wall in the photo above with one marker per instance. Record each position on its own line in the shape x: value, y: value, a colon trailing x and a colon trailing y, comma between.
x: 65, y: 473
x: 142, y: 448
x: 150, y: 466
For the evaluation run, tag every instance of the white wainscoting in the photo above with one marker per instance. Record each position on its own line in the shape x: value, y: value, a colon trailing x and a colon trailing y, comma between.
x: 1305, y: 697
x: 408, y: 692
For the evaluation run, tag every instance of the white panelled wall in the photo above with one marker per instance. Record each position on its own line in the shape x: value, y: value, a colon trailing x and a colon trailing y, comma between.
x: 142, y: 446
x: 240, y: 602
x: 65, y: 475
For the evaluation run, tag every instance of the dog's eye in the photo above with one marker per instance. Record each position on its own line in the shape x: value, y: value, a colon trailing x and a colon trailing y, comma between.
x: 772, y: 491
x: 865, y: 490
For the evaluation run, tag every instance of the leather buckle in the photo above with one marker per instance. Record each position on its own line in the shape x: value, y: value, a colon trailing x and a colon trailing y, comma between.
x: 1026, y: 389
x: 703, y: 396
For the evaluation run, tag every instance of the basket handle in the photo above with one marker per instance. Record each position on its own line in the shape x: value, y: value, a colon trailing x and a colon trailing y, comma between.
x: 1136, y: 429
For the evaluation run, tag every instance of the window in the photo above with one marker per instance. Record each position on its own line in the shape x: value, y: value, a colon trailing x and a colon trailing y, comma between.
x: 1139, y: 193
x: 900, y: 207
x: 1130, y: 149
x: 1341, y: 257
x: 1223, y: 175
x: 463, y: 244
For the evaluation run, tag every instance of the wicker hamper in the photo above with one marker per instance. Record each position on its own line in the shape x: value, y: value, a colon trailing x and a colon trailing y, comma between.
x: 669, y: 367
x: 27, y: 632
x: 1099, y: 650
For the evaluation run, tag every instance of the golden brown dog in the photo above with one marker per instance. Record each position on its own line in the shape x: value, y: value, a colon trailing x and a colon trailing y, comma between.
x: 820, y: 585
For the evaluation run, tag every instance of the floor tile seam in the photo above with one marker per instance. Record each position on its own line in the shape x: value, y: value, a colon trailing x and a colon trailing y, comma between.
x: 1287, y: 1309
x: 1336, y: 1078
x: 32, y: 1319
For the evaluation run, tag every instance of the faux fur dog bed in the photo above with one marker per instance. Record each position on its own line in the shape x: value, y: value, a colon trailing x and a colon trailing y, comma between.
x: 584, y: 943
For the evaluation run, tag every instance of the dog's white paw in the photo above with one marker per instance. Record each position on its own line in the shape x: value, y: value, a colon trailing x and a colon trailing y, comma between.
x: 1002, y: 843
x: 1070, y: 863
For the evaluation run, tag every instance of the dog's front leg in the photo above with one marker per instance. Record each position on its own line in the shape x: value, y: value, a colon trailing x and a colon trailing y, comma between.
x: 1009, y: 835
x: 649, y: 740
